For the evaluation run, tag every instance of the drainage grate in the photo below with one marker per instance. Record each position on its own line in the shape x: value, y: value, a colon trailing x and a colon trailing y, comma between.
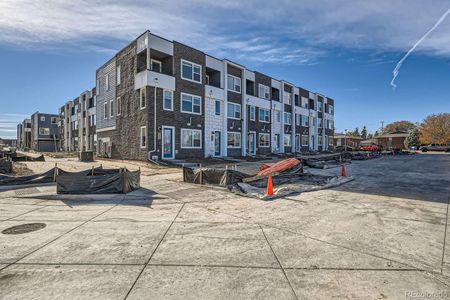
x: 24, y: 228
x: 27, y: 191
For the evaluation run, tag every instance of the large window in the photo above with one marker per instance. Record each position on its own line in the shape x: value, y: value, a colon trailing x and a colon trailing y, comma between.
x: 263, y: 91
x: 234, y: 139
x: 118, y: 75
x: 143, y: 98
x: 191, y: 71
x: 168, y: 100
x: 107, y: 83
x: 191, y: 104
x: 298, y: 120
x: 234, y: 111
x: 191, y: 138
x: 287, y: 140
x: 264, y: 115
x: 305, y: 140
x: 330, y: 109
x: 264, y: 140
x: 156, y: 65
x: 252, y: 113
x: 287, y: 118
x: 319, y: 141
x: 287, y: 97
x: 143, y: 137
x: 234, y: 84
x: 44, y: 131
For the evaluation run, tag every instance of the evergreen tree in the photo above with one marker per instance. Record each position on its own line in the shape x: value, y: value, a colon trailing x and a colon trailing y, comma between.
x: 412, y: 140
x: 375, y: 134
x: 364, y: 132
x: 356, y: 132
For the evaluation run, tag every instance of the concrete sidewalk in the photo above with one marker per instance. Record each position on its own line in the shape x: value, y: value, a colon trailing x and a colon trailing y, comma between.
x: 174, y: 240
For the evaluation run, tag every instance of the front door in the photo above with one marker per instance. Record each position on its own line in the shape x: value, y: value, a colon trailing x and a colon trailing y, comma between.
x: 168, y: 142
x: 216, y: 140
x: 252, y: 143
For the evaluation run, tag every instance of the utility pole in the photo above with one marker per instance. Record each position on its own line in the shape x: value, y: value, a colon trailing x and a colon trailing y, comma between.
x: 382, y: 126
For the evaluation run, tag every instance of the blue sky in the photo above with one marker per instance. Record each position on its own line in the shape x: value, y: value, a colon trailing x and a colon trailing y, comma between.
x: 49, y: 50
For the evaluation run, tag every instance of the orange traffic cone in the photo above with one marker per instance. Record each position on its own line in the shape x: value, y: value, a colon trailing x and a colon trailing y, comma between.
x: 344, y: 172
x: 269, y: 191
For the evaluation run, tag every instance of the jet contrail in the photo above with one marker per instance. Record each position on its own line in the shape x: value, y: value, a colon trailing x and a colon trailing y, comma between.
x: 399, y: 64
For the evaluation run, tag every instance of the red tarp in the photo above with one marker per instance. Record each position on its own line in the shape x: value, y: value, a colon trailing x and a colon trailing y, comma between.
x: 278, y: 167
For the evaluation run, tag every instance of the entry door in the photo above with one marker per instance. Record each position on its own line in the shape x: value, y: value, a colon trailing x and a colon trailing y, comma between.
x: 216, y: 139
x: 168, y: 143
x: 252, y: 143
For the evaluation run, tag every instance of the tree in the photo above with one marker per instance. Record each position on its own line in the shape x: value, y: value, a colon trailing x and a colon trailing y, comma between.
x: 364, y: 132
x: 435, y: 129
x: 375, y: 133
x: 412, y: 140
x: 370, y: 136
x: 355, y: 132
x: 404, y: 126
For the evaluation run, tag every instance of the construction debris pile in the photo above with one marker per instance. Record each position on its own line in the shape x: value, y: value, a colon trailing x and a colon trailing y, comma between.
x: 287, y: 176
x: 93, y: 181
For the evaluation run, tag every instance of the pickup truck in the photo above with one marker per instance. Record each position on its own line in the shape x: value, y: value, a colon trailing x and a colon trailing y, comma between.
x: 435, y: 147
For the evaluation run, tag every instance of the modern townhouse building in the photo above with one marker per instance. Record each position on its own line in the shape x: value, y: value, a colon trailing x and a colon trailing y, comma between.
x: 77, y: 123
x: 159, y: 99
x: 44, y: 132
x: 24, y: 135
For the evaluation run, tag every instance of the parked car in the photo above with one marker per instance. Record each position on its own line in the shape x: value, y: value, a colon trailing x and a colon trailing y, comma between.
x: 435, y: 147
x: 373, y: 148
x: 342, y: 148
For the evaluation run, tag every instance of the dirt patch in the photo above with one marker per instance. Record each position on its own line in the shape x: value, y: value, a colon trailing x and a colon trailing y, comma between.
x: 21, y: 169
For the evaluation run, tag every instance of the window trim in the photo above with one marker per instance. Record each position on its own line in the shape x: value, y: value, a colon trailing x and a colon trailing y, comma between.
x: 111, y: 108
x: 157, y: 62
x: 290, y: 139
x: 140, y: 137
x: 119, y: 106
x: 234, y: 84
x: 259, y: 140
x: 118, y: 77
x: 193, y: 64
x: 307, y: 140
x: 191, y: 130
x: 285, y: 119
x: 240, y: 111
x: 164, y: 100
x: 268, y: 91
x: 106, y: 82
x: 259, y: 115
x: 105, y: 110
x: 190, y: 112
x: 252, y: 108
x: 240, y: 140
x: 215, y: 107
x: 140, y: 98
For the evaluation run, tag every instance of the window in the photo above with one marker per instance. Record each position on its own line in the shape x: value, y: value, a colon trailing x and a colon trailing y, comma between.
x: 207, y: 79
x: 305, y: 140
x: 287, y: 140
x: 143, y: 137
x: 191, y: 71
x: 319, y: 141
x: 234, y: 139
x: 42, y: 118
x: 305, y: 121
x: 330, y: 124
x: 119, y: 106
x: 330, y: 109
x: 278, y: 116
x: 319, y: 124
x: 142, y: 98
x: 97, y: 89
x: 44, y: 131
x: 264, y: 140
x: 105, y: 110
x: 277, y: 141
x: 234, y: 111
x: 287, y: 118
x: 298, y: 120
x: 53, y: 120
x: 263, y: 91
x: 107, y: 83
x: 118, y: 75
x: 304, y: 103
x: 191, y: 104
x: 168, y: 100
x: 319, y: 106
x: 217, y: 107
x: 111, y: 108
x: 156, y: 65
x: 264, y: 115
x: 191, y: 138
x: 252, y: 113
x: 287, y: 97
x: 234, y: 84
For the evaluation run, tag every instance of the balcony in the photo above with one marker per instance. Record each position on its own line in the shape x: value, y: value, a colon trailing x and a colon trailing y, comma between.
x: 148, y: 78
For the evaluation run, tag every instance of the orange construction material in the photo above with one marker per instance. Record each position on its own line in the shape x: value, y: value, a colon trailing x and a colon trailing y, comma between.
x: 344, y: 172
x: 269, y: 191
x: 278, y: 167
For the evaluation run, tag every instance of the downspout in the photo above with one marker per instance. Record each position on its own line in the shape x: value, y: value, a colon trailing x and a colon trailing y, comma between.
x: 155, y: 81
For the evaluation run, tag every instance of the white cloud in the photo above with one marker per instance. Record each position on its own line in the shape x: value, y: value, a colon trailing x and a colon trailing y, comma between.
x: 252, y: 31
